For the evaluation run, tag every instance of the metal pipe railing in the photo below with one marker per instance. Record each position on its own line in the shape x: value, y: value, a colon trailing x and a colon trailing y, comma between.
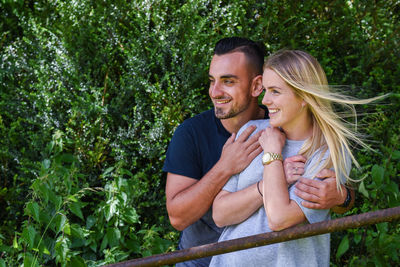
x: 354, y: 221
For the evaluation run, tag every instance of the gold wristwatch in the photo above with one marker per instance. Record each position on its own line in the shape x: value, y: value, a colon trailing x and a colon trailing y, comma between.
x: 269, y: 157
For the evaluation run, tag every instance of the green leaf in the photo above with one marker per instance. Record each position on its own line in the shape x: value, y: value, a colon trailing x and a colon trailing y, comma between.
x: 2, y: 263
x: 67, y: 229
x: 104, y: 243
x: 29, y: 235
x: 32, y: 209
x: 43, y: 249
x: 46, y: 164
x: 113, y: 237
x: 110, y: 210
x: 377, y: 173
x: 343, y: 247
x: 76, y: 261
x: 382, y: 227
x: 90, y: 221
x: 134, y: 245
x: 15, y: 242
x: 75, y: 208
x: 363, y: 190
x: 357, y: 238
x: 78, y: 231
x: 55, y: 199
x: 392, y: 187
x: 107, y: 171
x: 396, y: 154
x: 61, y: 249
x: 130, y: 215
x: 59, y: 222
x: 69, y: 158
x: 30, y: 261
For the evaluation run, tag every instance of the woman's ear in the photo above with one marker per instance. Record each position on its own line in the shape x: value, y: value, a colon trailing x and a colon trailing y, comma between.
x: 257, y: 86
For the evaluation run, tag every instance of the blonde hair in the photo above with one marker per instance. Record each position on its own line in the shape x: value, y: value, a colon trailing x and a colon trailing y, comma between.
x: 305, y: 76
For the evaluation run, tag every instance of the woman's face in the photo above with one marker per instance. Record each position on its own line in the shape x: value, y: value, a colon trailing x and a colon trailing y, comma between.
x: 284, y: 107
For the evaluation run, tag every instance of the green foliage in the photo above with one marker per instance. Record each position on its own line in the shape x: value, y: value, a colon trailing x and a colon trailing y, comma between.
x: 91, y: 92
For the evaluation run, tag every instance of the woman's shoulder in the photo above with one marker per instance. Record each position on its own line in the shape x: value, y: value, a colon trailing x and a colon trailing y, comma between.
x: 260, y: 124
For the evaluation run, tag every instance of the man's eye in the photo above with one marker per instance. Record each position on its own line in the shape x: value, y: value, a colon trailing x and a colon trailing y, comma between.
x: 211, y: 81
x: 228, y: 82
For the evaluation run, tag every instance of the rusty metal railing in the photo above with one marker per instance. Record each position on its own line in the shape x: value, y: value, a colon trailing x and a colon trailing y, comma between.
x: 354, y: 221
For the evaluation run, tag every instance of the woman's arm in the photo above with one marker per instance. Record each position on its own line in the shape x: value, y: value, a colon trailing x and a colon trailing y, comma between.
x: 282, y: 212
x: 235, y: 207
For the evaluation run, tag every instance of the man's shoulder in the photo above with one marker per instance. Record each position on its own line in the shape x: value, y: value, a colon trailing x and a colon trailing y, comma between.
x: 200, y: 120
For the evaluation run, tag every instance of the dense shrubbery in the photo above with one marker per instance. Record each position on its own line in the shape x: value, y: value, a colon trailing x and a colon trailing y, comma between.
x: 91, y: 91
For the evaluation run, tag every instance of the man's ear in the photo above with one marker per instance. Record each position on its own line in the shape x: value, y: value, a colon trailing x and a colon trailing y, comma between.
x: 257, y: 86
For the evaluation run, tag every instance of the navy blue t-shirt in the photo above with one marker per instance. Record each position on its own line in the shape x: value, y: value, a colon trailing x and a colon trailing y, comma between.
x: 195, y: 148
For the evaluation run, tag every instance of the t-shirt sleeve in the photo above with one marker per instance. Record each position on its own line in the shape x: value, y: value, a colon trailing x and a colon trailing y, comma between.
x: 181, y: 157
x: 311, y: 168
x: 231, y: 185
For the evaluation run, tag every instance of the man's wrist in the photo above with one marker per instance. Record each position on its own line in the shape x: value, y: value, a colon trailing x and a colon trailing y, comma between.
x: 347, y: 200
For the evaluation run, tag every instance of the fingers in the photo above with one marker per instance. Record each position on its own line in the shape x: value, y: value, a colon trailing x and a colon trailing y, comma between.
x: 297, y: 168
x: 311, y: 205
x: 246, y: 133
x: 291, y: 179
x: 231, y: 139
x: 326, y: 173
x: 311, y: 200
x: 309, y: 190
x: 297, y: 158
x: 293, y: 170
x: 255, y: 153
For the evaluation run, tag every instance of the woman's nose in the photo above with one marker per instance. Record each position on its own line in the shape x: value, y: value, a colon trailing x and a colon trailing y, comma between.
x: 266, y: 99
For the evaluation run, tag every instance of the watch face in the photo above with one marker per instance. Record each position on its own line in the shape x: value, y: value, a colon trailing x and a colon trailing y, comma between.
x: 267, y: 157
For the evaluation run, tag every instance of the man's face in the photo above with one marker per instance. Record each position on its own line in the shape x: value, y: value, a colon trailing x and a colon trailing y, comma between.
x: 230, y: 84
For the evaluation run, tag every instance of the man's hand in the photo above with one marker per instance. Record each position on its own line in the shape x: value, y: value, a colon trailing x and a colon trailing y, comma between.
x: 320, y: 194
x: 294, y: 168
x: 237, y: 154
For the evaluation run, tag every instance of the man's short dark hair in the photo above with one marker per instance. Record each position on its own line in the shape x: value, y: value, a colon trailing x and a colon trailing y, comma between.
x: 254, y: 52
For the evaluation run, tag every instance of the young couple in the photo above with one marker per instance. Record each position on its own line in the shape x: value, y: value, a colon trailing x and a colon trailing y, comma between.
x: 257, y: 167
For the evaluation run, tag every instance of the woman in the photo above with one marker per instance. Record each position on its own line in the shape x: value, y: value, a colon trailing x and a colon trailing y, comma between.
x: 302, y: 121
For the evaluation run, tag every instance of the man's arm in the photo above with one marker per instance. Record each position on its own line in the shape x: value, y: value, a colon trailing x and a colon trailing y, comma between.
x: 189, y: 199
x: 323, y: 194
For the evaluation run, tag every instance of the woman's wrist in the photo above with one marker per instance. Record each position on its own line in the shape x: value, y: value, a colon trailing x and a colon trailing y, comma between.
x: 273, y: 149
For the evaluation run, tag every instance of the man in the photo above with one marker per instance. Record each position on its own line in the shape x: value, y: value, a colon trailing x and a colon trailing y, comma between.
x: 203, y: 153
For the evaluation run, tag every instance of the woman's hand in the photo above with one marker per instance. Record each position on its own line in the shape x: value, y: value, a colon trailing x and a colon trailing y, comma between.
x: 272, y: 140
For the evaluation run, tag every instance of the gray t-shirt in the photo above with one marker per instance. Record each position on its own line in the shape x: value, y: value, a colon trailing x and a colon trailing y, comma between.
x: 311, y: 251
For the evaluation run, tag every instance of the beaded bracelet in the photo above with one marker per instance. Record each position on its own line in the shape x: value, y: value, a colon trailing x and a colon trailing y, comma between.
x: 258, y: 187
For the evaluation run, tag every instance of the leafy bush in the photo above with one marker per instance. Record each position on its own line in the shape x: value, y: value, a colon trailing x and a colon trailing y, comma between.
x: 91, y: 92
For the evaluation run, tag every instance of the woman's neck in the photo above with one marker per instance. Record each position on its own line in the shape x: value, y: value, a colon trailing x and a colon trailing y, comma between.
x: 301, y: 130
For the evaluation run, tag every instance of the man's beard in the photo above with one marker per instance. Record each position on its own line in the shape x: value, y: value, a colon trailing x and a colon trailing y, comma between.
x: 233, y: 112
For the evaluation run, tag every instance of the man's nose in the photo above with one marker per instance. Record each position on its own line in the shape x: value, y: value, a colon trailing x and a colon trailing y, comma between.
x: 215, y: 90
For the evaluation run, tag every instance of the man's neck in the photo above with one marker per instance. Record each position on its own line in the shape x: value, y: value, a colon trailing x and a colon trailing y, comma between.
x: 233, y: 125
